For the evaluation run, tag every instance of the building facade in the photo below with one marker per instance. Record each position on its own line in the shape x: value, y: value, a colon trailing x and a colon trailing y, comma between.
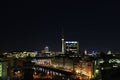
x: 3, y: 70
x: 71, y: 47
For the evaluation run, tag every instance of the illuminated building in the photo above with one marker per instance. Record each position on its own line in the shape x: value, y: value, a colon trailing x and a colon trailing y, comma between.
x: 109, y: 52
x: 46, y: 49
x: 46, y: 52
x: 46, y: 62
x: 3, y: 70
x: 71, y: 47
x: 24, y: 54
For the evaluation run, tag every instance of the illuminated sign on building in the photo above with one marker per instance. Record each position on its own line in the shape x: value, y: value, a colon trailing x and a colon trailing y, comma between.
x: 71, y: 42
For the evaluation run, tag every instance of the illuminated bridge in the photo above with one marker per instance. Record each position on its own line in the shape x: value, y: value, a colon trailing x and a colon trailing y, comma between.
x: 48, y: 66
x: 53, y: 72
x: 69, y: 68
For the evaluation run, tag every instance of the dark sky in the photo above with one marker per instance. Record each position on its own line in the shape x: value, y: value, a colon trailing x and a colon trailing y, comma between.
x: 32, y: 25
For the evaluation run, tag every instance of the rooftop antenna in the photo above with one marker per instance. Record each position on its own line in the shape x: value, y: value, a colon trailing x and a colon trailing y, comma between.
x: 62, y: 32
x: 63, y: 42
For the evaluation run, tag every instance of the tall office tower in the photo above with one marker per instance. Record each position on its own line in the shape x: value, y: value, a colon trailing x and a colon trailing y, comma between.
x: 71, y: 47
x: 63, y: 46
x: 63, y: 42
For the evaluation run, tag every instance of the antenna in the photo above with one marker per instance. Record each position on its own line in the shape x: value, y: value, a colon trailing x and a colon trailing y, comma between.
x: 63, y: 43
x: 62, y: 32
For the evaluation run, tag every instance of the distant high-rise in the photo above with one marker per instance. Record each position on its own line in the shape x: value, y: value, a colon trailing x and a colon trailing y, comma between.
x: 63, y: 46
x: 46, y: 49
x: 71, y: 47
x: 63, y: 42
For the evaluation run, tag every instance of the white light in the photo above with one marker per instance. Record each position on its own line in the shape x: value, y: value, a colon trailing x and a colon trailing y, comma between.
x: 77, y: 71
x: 24, y: 52
x: 102, y: 68
x: 18, y: 71
x: 115, y: 66
x: 71, y: 42
x: 97, y: 71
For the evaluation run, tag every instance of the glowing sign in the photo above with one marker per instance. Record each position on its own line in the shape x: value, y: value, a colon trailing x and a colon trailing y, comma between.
x: 71, y: 42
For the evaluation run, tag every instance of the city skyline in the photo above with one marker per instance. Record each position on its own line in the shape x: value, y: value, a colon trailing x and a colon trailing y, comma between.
x: 34, y: 25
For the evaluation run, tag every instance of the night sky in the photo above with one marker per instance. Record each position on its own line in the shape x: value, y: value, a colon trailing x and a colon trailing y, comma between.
x: 32, y: 25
